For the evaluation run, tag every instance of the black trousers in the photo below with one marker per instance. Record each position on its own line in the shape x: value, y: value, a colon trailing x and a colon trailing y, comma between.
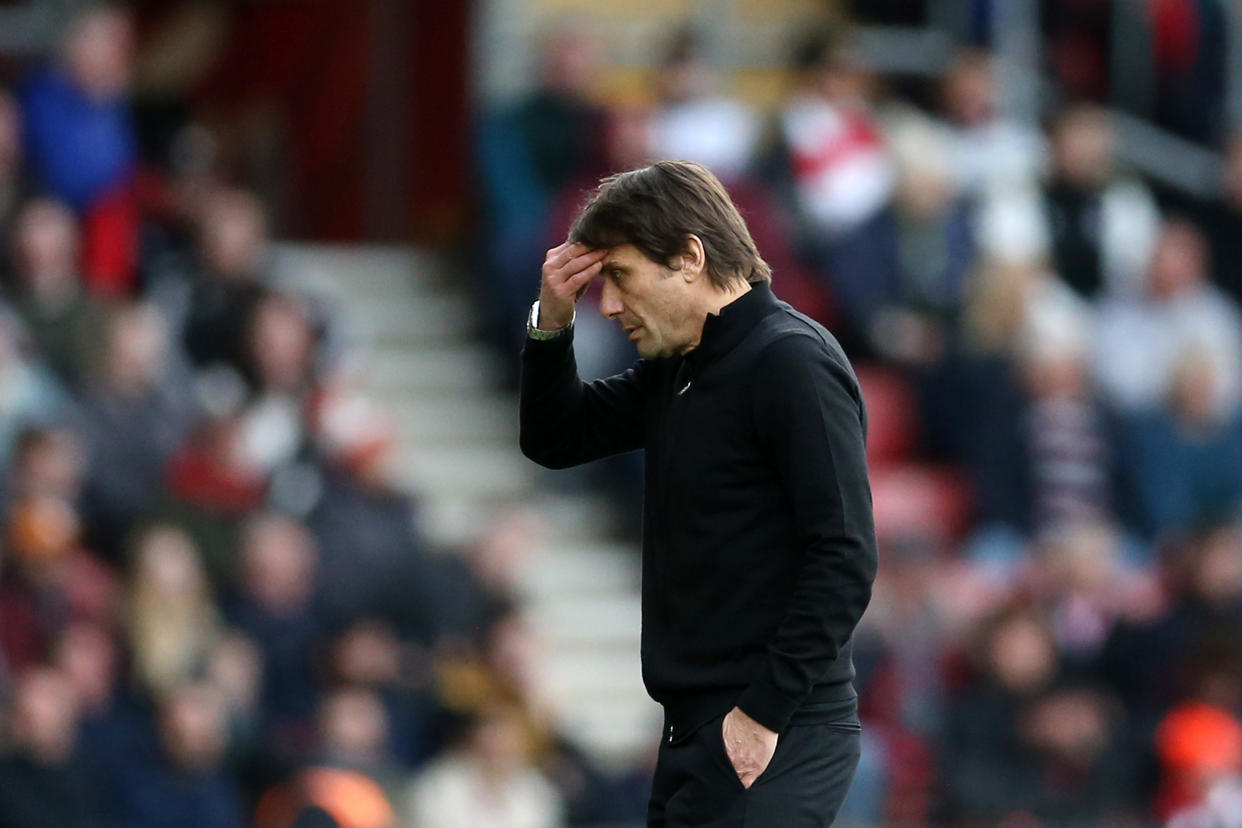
x: 695, y: 785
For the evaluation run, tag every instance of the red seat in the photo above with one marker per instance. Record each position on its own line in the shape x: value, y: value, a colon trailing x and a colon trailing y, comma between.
x: 919, y: 501
x: 892, y: 430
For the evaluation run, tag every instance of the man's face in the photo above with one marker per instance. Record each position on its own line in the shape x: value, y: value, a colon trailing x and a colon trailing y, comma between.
x: 652, y: 303
x: 1083, y: 147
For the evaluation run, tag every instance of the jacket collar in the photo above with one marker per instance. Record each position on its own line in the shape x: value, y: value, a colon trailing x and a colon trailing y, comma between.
x: 723, y: 331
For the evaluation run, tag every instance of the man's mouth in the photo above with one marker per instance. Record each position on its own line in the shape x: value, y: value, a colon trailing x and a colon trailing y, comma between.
x: 633, y: 332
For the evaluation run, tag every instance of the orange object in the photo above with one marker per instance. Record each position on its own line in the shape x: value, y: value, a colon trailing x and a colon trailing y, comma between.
x: 352, y: 799
x: 1197, y: 743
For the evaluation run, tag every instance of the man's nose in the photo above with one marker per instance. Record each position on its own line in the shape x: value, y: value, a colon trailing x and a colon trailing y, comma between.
x: 609, y: 301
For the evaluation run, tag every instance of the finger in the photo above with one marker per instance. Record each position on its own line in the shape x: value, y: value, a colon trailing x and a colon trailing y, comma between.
x: 575, y: 269
x: 565, y: 252
x: 555, y: 274
x: 555, y: 253
x: 582, y: 278
x: 575, y: 283
x: 584, y: 259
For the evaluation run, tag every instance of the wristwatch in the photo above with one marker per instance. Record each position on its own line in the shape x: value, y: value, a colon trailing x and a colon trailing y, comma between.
x: 534, y: 332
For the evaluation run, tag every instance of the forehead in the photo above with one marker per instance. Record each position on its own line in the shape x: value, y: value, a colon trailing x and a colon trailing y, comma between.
x: 627, y: 256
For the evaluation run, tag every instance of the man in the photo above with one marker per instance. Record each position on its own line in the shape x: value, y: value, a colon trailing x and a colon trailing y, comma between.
x: 758, y: 541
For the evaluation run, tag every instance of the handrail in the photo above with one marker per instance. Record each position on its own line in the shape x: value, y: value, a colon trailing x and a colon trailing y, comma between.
x: 31, y: 29
x: 1168, y: 158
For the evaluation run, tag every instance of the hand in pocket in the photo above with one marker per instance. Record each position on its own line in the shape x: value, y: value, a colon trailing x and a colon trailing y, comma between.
x: 748, y: 744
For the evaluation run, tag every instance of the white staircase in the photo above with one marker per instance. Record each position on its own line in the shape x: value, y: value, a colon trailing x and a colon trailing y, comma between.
x: 407, y: 331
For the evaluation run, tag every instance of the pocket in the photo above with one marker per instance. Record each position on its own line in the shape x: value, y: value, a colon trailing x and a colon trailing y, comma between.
x: 716, y: 745
x: 844, y: 727
x: 718, y: 753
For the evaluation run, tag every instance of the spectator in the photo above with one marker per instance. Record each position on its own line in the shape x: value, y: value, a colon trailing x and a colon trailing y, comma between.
x: 1082, y: 580
x: 528, y: 153
x: 369, y: 655
x: 904, y: 633
x: 48, y: 580
x: 351, y: 783
x: 902, y: 675
x: 233, y: 238
x: 488, y: 780
x: 350, y: 786
x: 1140, y: 339
x: 182, y: 781
x: 46, y: 461
x: 28, y: 394
x: 372, y: 551
x: 693, y: 121
x: 63, y: 320
x: 79, y: 136
x: 235, y: 669
x: 1184, y: 461
x: 1024, y: 334
x: 278, y: 363
x: 87, y: 654
x: 45, y: 468
x: 354, y: 735
x: 1201, y: 608
x: 172, y: 621
x: 41, y: 781
x: 131, y: 423
x: 212, y: 485
x: 936, y: 247
x: 479, y: 584
x: 172, y: 226
x: 1100, y: 223
x: 274, y: 608
x: 1079, y: 773
x: 989, y: 152
x: 80, y: 142
x: 1055, y: 455
x: 984, y: 763
x: 841, y: 181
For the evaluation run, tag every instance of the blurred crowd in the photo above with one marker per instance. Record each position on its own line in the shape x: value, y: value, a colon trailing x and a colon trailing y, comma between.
x: 1051, y: 353
x: 217, y: 608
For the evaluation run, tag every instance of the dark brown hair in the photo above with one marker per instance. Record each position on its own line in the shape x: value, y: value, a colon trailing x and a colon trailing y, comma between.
x: 655, y: 208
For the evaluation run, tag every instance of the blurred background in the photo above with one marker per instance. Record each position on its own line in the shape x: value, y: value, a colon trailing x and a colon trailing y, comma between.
x: 270, y: 556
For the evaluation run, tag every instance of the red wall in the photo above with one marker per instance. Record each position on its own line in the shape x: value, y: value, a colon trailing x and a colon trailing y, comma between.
x: 301, y: 69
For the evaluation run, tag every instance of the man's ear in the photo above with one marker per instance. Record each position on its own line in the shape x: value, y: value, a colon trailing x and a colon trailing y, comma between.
x: 693, y: 259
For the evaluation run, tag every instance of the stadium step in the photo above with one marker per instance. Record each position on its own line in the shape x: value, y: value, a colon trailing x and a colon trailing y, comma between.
x: 485, y: 470
x: 437, y: 419
x: 396, y: 372
x: 579, y: 568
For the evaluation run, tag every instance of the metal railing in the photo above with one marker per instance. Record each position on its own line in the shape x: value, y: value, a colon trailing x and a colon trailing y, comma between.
x: 33, y: 28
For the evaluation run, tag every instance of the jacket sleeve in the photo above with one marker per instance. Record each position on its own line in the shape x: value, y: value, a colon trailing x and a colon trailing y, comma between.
x: 811, y: 424
x: 565, y: 421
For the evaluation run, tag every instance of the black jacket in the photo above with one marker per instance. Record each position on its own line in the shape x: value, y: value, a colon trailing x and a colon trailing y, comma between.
x: 758, y: 541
